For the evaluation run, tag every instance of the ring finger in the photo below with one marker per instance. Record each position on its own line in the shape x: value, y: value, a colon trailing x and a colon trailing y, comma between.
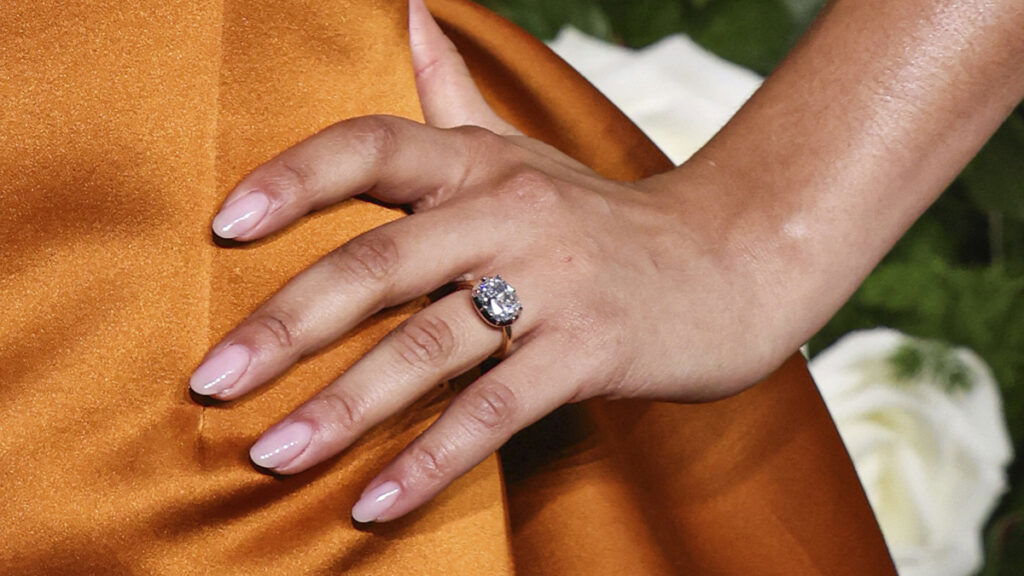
x: 437, y: 343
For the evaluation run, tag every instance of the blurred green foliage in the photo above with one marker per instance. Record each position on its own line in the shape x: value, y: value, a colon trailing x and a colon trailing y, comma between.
x: 932, y: 361
x: 754, y: 33
x: 956, y: 276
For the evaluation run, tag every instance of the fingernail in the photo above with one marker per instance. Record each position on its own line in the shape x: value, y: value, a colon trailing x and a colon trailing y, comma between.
x: 281, y: 445
x: 376, y: 502
x: 241, y: 216
x: 220, y: 371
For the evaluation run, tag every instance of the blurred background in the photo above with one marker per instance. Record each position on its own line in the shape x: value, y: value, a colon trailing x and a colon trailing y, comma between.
x: 931, y: 410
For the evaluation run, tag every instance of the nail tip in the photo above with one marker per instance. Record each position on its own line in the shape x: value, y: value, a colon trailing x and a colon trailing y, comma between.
x: 223, y: 231
x: 261, y: 458
x: 279, y: 448
x: 198, y: 387
x: 359, y: 520
x: 220, y: 372
x: 241, y: 215
x: 373, y: 504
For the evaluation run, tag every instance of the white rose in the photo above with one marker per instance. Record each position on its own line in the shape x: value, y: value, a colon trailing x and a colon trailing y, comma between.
x: 678, y: 93
x: 931, y: 457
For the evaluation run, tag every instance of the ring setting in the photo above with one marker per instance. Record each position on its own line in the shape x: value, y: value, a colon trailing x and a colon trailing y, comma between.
x: 497, y: 303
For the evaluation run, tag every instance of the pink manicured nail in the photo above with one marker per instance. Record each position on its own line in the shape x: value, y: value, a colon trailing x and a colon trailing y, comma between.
x: 221, y: 370
x: 241, y: 216
x: 281, y: 445
x: 376, y: 502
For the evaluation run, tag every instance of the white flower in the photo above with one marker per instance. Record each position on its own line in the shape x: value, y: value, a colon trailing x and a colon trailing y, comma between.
x: 678, y: 93
x: 931, y: 456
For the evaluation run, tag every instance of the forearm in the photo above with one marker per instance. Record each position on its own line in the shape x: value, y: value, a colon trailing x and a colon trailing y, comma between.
x: 852, y: 138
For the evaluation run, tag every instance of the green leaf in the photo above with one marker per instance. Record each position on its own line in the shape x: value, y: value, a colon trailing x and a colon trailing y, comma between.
x: 804, y: 11
x: 995, y: 178
x: 1004, y: 545
x: 544, y: 19
x: 752, y: 33
x: 639, y: 23
x: 930, y: 361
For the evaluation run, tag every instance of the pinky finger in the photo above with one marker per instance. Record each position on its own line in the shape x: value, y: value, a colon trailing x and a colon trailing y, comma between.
x: 520, y: 390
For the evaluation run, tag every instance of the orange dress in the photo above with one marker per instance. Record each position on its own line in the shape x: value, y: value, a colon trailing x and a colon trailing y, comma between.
x: 122, y: 127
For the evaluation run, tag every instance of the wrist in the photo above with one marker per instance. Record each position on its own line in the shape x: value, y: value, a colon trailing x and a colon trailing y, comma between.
x: 753, y: 241
x: 793, y: 267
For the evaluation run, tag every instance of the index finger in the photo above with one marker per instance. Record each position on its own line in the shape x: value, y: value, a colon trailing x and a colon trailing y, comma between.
x: 390, y: 158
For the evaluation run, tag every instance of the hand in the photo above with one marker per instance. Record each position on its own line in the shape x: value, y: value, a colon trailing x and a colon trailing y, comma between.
x: 629, y: 289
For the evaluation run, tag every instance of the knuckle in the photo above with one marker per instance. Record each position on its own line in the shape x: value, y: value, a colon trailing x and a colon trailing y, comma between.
x: 431, y: 462
x: 338, y: 411
x: 377, y: 137
x: 425, y: 341
x: 490, y: 406
x: 482, y: 147
x: 479, y: 139
x: 480, y: 151
x: 284, y: 180
x: 277, y: 326
x: 431, y: 199
x: 531, y: 189
x: 370, y: 257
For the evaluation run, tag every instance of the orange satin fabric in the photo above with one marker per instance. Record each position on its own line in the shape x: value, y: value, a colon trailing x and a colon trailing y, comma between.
x: 122, y: 126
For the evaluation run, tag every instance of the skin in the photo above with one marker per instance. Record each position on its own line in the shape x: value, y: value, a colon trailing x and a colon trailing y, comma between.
x: 763, y: 235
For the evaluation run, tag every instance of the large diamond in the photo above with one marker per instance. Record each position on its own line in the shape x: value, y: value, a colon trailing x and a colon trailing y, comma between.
x: 497, y: 301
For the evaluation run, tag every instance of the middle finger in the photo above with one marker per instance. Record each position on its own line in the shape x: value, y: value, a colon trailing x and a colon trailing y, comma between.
x: 385, y: 266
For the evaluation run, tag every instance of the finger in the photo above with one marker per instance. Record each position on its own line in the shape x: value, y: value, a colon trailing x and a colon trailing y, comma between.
x: 383, y: 267
x: 390, y: 158
x: 520, y: 390
x: 448, y: 94
x: 439, y: 342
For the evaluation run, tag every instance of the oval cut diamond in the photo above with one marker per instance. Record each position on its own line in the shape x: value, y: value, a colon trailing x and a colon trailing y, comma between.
x: 496, y: 301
